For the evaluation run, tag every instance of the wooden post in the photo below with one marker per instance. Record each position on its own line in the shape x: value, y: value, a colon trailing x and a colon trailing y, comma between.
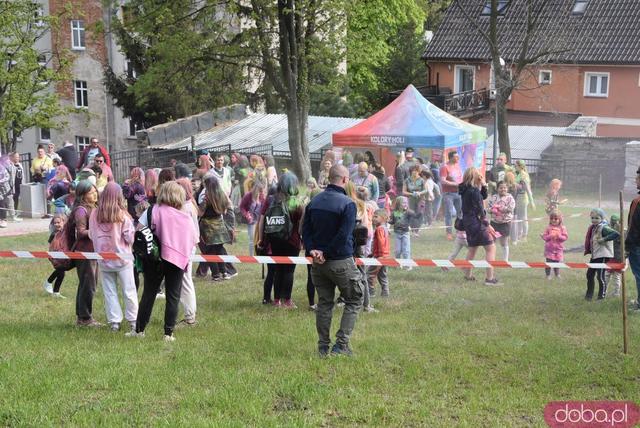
x: 625, y: 331
x: 600, y: 192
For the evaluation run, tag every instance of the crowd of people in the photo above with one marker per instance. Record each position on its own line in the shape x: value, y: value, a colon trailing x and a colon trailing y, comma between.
x: 346, y: 212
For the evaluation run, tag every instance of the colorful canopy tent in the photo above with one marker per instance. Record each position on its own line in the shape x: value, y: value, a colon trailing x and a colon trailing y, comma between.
x: 412, y: 121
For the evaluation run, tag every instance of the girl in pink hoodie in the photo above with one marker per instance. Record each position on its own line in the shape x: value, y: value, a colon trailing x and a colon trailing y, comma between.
x: 554, y: 237
x: 111, y: 230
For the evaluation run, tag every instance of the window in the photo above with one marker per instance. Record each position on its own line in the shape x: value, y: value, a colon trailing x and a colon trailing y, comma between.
x: 579, y: 7
x: 38, y: 13
x: 42, y: 60
x: 502, y: 7
x: 133, y: 127
x: 596, y: 85
x: 82, y: 143
x: 464, y: 78
x: 77, y: 35
x: 81, y: 92
x: 544, y: 77
x: 129, y: 70
x: 45, y: 134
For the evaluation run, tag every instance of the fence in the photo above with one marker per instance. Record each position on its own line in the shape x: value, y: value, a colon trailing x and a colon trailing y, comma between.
x: 577, y: 175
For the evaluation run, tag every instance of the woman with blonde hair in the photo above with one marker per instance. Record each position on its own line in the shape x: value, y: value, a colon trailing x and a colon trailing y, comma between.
x: 177, y: 235
x: 111, y: 230
x: 473, y: 192
x: 524, y: 198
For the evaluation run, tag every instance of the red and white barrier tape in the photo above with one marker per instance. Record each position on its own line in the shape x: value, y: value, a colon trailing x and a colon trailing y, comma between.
x: 308, y: 260
x: 512, y: 221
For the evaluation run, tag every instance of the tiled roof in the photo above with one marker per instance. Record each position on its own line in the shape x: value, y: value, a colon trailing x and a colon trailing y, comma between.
x: 607, y: 33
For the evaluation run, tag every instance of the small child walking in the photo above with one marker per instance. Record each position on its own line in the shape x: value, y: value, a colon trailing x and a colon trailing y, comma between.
x: 502, y: 205
x: 554, y: 237
x: 381, y: 249
x: 401, y: 219
x: 57, y: 241
x: 599, y: 243
x: 614, y: 275
x: 552, y: 198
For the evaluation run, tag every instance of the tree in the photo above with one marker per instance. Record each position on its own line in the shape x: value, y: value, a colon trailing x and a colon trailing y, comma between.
x: 27, y: 76
x: 184, y: 58
x: 537, y: 41
x: 288, y: 37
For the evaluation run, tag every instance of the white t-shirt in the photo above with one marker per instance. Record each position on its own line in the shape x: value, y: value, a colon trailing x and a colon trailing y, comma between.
x: 91, y: 154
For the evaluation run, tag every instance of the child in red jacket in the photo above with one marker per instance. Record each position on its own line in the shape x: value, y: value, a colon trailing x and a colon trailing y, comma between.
x: 381, y: 248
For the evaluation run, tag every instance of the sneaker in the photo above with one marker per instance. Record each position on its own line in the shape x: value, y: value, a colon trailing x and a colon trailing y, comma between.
x: 409, y: 268
x: 267, y: 301
x: 449, y: 237
x: 228, y: 276
x: 323, y: 351
x: 372, y: 292
x: 371, y: 309
x: 549, y: 277
x: 161, y: 296
x: 313, y: 308
x: 169, y: 338
x: 289, y: 304
x: 3, y: 223
x: 48, y: 287
x: 493, y: 281
x: 58, y: 295
x: 88, y: 323
x: 277, y: 303
x: 188, y: 322
x: 558, y: 277
x: 338, y: 349
x: 17, y: 219
x: 133, y: 333
x: 385, y: 293
x: 340, y: 304
x: 115, y: 326
x: 216, y: 278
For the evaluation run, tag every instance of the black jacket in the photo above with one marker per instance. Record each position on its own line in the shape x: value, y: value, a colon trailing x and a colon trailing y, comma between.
x: 69, y: 157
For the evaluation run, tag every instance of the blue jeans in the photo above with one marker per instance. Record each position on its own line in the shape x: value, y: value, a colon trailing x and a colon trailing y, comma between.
x: 452, y: 208
x: 634, y: 262
x: 403, y: 245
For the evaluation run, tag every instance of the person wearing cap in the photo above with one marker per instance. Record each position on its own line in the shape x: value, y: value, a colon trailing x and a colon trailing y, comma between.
x: 409, y: 161
x: 632, y: 241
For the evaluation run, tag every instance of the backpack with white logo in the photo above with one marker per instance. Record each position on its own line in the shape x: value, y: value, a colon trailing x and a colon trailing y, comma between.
x: 277, y: 221
x: 146, y: 245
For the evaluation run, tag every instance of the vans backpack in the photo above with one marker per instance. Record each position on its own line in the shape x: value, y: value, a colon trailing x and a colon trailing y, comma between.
x: 277, y: 221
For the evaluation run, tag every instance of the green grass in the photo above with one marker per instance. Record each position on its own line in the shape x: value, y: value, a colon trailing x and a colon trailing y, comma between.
x: 441, y: 352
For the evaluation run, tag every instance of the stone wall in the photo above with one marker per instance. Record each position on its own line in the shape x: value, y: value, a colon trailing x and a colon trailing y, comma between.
x: 632, y: 160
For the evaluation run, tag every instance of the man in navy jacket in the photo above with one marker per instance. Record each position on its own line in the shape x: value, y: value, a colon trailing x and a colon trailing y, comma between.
x: 327, y: 232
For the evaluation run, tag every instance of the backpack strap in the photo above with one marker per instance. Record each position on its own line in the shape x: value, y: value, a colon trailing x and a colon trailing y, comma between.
x: 149, y: 211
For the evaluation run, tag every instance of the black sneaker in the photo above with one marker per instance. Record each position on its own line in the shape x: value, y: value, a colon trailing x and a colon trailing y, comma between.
x: 338, y: 349
x: 323, y: 350
x: 372, y: 292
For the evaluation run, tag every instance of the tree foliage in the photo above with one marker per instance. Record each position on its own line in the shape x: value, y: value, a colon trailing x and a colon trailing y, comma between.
x: 27, y: 76
x: 185, y: 59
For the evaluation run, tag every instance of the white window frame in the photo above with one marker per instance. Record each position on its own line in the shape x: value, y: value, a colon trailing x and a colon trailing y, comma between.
x: 82, y: 142
x: 132, y: 125
x: 77, y: 27
x: 43, y: 139
x: 456, y: 79
x: 587, y: 80
x: 545, y: 82
x: 129, y: 71
x: 78, y: 89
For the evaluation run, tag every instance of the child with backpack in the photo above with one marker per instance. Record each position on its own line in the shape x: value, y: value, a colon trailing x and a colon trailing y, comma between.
x: 111, y: 230
x: 57, y: 242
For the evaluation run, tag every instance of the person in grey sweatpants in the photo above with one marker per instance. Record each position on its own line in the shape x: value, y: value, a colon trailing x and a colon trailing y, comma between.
x: 327, y: 231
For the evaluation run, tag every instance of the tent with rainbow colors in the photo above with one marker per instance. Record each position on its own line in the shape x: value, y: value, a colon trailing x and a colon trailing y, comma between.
x: 412, y: 121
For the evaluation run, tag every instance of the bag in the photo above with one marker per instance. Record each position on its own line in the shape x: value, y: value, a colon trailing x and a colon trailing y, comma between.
x: 277, y: 222
x: 458, y: 225
x: 146, y: 245
x: 360, y: 234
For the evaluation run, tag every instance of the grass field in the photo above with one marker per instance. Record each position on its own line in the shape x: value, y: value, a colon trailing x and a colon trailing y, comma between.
x: 441, y: 352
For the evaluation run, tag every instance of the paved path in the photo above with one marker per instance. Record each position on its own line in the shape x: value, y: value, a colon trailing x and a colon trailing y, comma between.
x: 26, y: 226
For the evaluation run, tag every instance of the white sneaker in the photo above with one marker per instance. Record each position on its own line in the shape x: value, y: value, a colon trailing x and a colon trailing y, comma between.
x: 313, y: 307
x: 16, y: 219
x: 134, y: 333
x: 115, y: 326
x: 3, y: 223
x: 48, y: 287
x: 168, y: 338
x: 371, y: 309
x: 160, y: 296
x: 58, y: 296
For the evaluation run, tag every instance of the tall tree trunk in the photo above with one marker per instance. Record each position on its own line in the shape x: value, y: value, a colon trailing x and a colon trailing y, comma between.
x: 503, y: 128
